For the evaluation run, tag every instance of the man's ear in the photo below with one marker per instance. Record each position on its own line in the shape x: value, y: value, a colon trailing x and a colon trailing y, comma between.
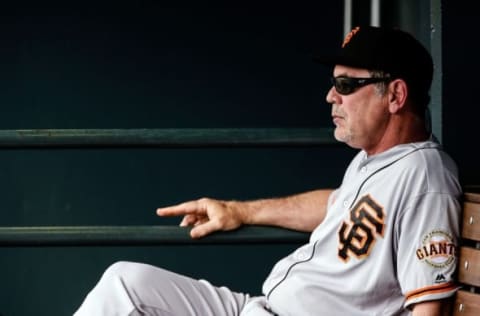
x: 397, y: 95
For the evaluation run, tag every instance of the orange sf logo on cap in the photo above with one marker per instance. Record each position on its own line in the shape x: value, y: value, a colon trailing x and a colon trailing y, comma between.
x: 350, y: 35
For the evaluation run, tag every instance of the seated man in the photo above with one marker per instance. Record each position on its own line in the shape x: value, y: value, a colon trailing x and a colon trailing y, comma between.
x: 383, y: 243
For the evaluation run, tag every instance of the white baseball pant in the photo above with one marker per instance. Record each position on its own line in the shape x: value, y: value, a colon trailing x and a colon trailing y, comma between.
x: 133, y: 289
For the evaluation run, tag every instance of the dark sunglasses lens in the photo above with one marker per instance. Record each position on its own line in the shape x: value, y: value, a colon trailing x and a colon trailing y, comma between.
x: 344, y: 85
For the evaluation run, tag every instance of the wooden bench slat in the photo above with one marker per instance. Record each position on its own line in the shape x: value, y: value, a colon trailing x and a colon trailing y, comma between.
x: 472, y: 197
x: 466, y: 304
x: 471, y: 221
x: 469, y: 266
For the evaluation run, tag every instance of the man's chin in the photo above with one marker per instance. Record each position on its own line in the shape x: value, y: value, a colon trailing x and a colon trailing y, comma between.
x: 342, y: 138
x: 339, y: 136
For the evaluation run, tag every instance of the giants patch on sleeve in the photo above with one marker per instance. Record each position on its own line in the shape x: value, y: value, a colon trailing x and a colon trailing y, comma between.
x: 437, y: 250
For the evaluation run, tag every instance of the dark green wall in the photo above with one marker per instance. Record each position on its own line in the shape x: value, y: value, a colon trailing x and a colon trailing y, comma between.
x: 153, y: 64
x: 461, y: 105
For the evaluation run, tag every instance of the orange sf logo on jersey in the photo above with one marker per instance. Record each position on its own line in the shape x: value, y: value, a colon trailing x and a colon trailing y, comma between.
x: 358, y: 235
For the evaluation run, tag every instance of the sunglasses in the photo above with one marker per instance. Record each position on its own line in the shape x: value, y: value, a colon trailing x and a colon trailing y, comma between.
x: 348, y: 85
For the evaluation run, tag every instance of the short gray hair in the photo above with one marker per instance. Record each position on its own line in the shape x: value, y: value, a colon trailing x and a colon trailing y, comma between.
x: 381, y: 87
x: 419, y: 100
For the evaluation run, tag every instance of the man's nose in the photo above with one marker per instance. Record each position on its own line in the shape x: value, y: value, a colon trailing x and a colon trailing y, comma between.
x: 332, y: 96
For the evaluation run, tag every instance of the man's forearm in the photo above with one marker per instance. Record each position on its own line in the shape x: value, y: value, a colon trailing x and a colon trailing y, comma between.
x: 301, y: 212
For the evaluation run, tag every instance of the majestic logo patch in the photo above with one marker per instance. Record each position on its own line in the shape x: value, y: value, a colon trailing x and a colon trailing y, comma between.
x: 438, y: 249
x: 440, y: 278
x: 358, y: 235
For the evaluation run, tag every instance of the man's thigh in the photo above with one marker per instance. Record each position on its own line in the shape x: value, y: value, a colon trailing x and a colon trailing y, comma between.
x: 128, y: 288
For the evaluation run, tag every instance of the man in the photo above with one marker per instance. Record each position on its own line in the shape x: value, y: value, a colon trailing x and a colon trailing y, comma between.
x: 383, y: 243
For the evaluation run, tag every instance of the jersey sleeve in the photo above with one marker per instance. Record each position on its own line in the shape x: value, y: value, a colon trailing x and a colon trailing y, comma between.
x: 427, y: 240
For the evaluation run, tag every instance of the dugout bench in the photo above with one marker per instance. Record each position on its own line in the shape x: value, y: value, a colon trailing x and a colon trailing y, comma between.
x: 467, y: 300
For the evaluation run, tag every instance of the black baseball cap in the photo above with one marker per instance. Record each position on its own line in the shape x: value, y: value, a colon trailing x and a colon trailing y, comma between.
x: 386, y: 49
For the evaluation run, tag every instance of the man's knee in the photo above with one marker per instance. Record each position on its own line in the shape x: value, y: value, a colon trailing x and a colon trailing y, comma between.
x: 123, y: 272
x: 119, y: 268
x: 133, y: 273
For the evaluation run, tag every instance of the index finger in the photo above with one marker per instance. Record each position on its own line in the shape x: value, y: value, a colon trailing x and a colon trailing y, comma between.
x: 180, y: 209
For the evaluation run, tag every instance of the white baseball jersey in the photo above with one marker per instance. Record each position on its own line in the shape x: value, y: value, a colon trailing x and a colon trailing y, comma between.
x: 389, y: 239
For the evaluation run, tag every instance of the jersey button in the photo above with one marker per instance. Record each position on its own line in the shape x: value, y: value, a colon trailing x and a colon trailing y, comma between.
x: 364, y: 169
x: 301, y: 255
x: 345, y: 203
